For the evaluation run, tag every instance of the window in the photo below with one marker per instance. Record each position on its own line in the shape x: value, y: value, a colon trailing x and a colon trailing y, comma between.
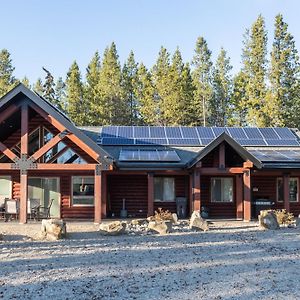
x: 5, y: 187
x: 83, y: 191
x: 164, y: 189
x: 293, y: 189
x: 221, y: 189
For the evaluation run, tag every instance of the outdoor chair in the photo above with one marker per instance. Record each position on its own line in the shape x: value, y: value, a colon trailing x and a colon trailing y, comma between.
x: 33, y: 208
x: 11, y: 208
x: 44, y: 211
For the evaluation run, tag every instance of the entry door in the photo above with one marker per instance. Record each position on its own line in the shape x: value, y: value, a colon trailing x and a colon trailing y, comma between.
x: 45, y: 189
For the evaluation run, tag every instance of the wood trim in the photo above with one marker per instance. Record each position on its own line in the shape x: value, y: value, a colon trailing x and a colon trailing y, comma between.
x: 197, y: 190
x: 62, y: 167
x: 150, y: 210
x: 97, y: 197
x: 239, y: 196
x: 6, y: 166
x: 54, y: 141
x: 217, y: 171
x: 6, y: 151
x: 286, y: 192
x: 247, y: 195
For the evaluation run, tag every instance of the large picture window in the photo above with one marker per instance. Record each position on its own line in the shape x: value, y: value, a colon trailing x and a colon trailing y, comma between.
x: 164, y: 189
x: 293, y: 189
x: 221, y: 189
x: 83, y: 191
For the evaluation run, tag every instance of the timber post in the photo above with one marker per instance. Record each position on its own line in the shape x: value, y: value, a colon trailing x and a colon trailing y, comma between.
x: 286, y: 191
x: 197, y: 190
x: 97, y: 194
x: 239, y: 196
x: 150, y: 210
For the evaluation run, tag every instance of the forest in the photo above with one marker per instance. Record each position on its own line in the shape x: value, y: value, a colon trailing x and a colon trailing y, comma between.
x: 201, y: 92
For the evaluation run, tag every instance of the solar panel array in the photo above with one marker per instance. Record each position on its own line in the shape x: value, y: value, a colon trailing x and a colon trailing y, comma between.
x: 148, y: 155
x: 276, y: 155
x: 194, y: 136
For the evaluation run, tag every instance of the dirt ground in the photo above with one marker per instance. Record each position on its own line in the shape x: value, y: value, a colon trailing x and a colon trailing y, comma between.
x: 234, y: 260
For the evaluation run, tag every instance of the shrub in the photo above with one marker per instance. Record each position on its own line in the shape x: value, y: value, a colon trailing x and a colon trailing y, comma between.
x: 161, y: 215
x: 283, y: 217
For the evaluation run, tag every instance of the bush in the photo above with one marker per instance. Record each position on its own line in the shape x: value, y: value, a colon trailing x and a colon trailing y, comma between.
x: 161, y: 215
x: 283, y: 217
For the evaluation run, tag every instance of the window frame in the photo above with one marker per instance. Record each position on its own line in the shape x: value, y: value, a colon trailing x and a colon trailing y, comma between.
x: 222, y: 190
x: 277, y: 190
x: 72, y: 192
x: 174, y: 189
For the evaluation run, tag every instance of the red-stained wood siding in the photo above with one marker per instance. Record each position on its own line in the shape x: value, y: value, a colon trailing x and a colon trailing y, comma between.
x: 216, y: 210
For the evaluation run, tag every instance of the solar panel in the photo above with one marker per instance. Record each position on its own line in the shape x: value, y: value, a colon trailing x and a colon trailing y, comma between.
x: 189, y: 132
x: 151, y: 141
x: 285, y: 133
x: 185, y: 142
x: 205, y: 133
x: 251, y: 142
x: 157, y: 132
x: 218, y: 130
x: 148, y: 155
x: 173, y: 132
x: 125, y: 131
x: 236, y: 133
x: 109, y: 131
x: 117, y: 141
x: 141, y: 132
x: 206, y: 141
x: 253, y: 133
x: 269, y: 133
x: 282, y: 142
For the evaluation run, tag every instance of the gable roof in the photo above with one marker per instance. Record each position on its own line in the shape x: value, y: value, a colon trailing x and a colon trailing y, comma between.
x: 58, y: 115
x: 224, y: 137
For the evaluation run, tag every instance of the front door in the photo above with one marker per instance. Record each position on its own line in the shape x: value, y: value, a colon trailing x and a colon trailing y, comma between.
x: 45, y: 189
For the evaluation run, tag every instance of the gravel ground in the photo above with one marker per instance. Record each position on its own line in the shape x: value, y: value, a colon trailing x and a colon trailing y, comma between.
x: 234, y: 260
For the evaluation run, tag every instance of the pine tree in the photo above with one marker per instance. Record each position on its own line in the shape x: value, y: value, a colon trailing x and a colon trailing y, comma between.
x: 202, y: 81
x: 129, y: 82
x: 92, y: 93
x: 145, y: 91
x: 60, y: 94
x: 7, y: 80
x: 220, y: 105
x: 113, y: 108
x: 283, y: 106
x: 255, y: 68
x: 38, y: 87
x: 77, y: 107
x: 26, y: 82
x: 49, y: 87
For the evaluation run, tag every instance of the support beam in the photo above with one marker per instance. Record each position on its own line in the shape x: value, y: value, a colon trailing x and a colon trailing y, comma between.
x: 6, y: 166
x: 6, y: 151
x: 150, y: 211
x: 53, y: 142
x: 222, y: 156
x: 70, y: 167
x: 286, y: 192
x: 24, y: 130
x: 247, y: 195
x: 191, y: 195
x: 97, y: 195
x: 8, y: 112
x: 23, y: 197
x: 104, y: 195
x: 197, y: 190
x: 217, y: 171
x: 239, y: 196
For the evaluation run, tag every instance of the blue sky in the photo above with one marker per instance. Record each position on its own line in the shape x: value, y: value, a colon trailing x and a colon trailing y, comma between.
x: 55, y: 33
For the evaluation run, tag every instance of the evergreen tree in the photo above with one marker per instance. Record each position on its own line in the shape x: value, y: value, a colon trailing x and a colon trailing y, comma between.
x: 25, y: 81
x: 77, y: 107
x: 148, y: 107
x: 49, y: 87
x: 113, y: 108
x: 255, y: 68
x: 283, y: 105
x: 38, y: 87
x: 60, y: 95
x: 129, y: 81
x: 7, y: 80
x: 220, y: 105
x: 202, y: 82
x: 92, y: 93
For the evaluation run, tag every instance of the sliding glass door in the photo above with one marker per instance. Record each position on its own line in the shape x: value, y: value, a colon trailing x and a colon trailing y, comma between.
x: 45, y: 189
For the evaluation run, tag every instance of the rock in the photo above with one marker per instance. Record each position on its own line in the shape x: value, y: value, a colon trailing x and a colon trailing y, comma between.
x: 197, y: 222
x: 161, y: 227
x: 54, y: 229
x: 1, y: 236
x: 174, y: 218
x: 268, y: 220
x: 298, y: 222
x: 138, y: 222
x: 112, y: 228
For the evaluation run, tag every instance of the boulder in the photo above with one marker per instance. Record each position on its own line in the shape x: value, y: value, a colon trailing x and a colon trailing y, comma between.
x: 174, y: 218
x: 161, y: 227
x: 298, y: 222
x: 197, y: 222
x: 268, y: 220
x: 53, y: 229
x: 112, y: 228
x: 1, y: 236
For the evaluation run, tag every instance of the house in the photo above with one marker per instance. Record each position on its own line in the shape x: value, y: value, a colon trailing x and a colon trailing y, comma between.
x: 91, y: 172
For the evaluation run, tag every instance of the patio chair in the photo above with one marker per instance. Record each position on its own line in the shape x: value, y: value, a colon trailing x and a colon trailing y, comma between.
x: 11, y: 208
x: 33, y: 208
x: 44, y: 211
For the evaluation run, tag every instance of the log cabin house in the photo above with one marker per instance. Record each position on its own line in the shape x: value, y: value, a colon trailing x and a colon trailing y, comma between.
x: 91, y: 172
